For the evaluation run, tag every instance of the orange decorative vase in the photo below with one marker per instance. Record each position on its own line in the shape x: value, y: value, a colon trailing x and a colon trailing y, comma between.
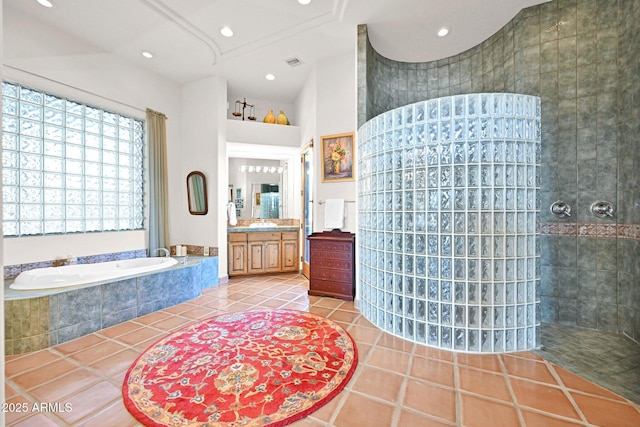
x: 269, y: 118
x: 282, y: 119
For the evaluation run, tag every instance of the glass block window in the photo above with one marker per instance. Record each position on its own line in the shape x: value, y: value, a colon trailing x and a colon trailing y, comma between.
x: 68, y: 167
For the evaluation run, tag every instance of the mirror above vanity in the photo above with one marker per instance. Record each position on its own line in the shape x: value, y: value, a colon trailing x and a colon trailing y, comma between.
x: 256, y: 188
x: 280, y: 180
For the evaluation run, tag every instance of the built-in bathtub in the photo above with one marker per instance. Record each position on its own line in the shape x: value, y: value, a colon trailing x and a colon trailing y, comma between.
x: 39, y: 318
x: 86, y: 274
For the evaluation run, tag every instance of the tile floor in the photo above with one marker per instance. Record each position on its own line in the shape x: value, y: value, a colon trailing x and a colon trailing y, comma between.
x: 608, y: 359
x: 397, y: 383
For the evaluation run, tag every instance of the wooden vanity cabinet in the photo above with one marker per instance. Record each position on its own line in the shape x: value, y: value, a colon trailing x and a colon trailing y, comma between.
x: 237, y: 253
x: 264, y: 252
x: 261, y: 252
x: 290, y: 260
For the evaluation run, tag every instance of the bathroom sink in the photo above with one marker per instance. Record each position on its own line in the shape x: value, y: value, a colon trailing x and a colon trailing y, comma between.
x: 262, y: 224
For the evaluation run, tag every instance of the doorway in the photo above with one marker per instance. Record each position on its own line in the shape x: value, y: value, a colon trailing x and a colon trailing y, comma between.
x: 306, y: 222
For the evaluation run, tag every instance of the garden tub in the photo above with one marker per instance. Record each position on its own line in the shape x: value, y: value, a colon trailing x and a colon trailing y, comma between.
x: 79, y: 274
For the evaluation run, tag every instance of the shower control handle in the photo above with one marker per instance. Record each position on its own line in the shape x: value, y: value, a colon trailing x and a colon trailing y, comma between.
x: 561, y: 209
x: 603, y: 209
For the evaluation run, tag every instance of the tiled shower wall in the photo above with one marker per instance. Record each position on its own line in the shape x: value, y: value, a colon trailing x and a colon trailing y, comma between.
x: 580, y: 57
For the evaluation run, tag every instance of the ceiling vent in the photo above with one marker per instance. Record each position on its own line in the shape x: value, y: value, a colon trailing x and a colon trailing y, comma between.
x: 293, y: 62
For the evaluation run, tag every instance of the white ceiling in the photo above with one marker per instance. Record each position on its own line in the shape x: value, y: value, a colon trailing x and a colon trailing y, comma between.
x: 185, y: 39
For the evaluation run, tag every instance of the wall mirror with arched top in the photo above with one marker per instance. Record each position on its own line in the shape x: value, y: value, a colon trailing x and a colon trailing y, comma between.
x: 197, y: 193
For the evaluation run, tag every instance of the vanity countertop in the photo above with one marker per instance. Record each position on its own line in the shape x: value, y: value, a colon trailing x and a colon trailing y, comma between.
x: 259, y: 229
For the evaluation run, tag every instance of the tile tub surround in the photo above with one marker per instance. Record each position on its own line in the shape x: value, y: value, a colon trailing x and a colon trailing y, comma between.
x: 195, y: 250
x: 36, y: 319
x: 587, y: 73
x: 448, y: 221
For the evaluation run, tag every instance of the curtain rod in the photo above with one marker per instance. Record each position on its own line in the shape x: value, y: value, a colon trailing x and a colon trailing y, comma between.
x: 157, y: 113
x: 142, y: 110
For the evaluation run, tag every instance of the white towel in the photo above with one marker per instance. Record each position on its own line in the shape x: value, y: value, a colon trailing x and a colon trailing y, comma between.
x: 334, y: 214
x: 231, y: 213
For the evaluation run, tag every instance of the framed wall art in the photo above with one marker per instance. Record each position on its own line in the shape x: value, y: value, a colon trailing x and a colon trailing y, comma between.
x: 338, y: 158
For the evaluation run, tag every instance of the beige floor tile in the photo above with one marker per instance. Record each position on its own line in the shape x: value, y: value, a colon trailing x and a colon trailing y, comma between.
x: 150, y: 318
x: 79, y: 344
x: 480, y: 412
x: 484, y: 383
x: 65, y: 385
x: 364, y: 335
x: 36, y: 420
x: 390, y: 360
x: 359, y: 411
x: 394, y: 343
x: 435, y: 371
x: 90, y: 401
x: 439, y: 402
x: 140, y: 335
x: 41, y: 375
x: 97, y: 352
x: 18, y: 408
x: 22, y: 363
x: 599, y: 411
x: 121, y: 329
x: 543, y: 398
x: 532, y: 418
x: 171, y: 323
x: 413, y: 419
x: 114, y: 415
x: 381, y: 384
x: 115, y: 363
x: 528, y: 368
x: 487, y: 362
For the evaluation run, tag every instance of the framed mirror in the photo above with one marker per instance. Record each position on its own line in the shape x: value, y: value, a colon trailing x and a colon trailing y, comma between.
x: 197, y: 193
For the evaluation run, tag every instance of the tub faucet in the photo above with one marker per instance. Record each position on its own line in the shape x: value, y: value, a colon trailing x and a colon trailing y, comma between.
x: 164, y: 250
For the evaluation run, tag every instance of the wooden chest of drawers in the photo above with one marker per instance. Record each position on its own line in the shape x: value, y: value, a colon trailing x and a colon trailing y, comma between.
x: 332, y: 264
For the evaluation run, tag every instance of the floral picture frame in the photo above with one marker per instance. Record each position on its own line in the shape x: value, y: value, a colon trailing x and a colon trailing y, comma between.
x: 338, y: 158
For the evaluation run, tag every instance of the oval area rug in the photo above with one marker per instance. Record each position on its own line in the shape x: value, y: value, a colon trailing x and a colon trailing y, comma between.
x: 252, y: 368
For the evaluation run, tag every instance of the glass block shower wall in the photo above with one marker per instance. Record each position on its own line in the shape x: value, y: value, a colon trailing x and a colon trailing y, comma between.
x: 448, y: 221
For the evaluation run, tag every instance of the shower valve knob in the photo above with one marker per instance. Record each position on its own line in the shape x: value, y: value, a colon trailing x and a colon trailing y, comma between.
x: 603, y: 209
x: 561, y: 209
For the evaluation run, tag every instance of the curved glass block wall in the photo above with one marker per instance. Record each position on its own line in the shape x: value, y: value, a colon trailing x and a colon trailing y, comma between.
x: 448, y: 221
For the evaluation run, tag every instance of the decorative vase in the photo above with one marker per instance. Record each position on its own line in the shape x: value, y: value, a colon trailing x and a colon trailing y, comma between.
x: 269, y: 118
x: 282, y: 119
x: 336, y: 167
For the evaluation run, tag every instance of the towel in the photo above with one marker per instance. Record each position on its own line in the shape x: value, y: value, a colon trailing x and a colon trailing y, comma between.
x: 334, y: 214
x: 231, y: 213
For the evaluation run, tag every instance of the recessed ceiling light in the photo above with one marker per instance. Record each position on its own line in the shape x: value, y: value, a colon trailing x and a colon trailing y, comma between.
x: 304, y: 1
x: 45, y: 3
x: 226, y: 31
x: 148, y: 55
x: 443, y: 31
x: 270, y: 77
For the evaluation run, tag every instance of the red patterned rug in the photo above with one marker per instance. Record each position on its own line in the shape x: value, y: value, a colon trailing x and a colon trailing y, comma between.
x: 254, y: 368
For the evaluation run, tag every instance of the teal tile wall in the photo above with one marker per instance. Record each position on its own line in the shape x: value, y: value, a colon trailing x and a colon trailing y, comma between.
x: 580, y: 57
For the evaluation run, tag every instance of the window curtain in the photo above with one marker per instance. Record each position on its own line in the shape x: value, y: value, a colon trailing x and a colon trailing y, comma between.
x: 158, y: 181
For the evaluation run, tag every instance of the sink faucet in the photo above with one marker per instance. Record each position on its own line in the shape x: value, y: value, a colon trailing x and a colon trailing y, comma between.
x: 164, y: 250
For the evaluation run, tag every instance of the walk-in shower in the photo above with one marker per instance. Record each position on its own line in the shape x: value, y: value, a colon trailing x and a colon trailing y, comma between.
x: 448, y: 221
